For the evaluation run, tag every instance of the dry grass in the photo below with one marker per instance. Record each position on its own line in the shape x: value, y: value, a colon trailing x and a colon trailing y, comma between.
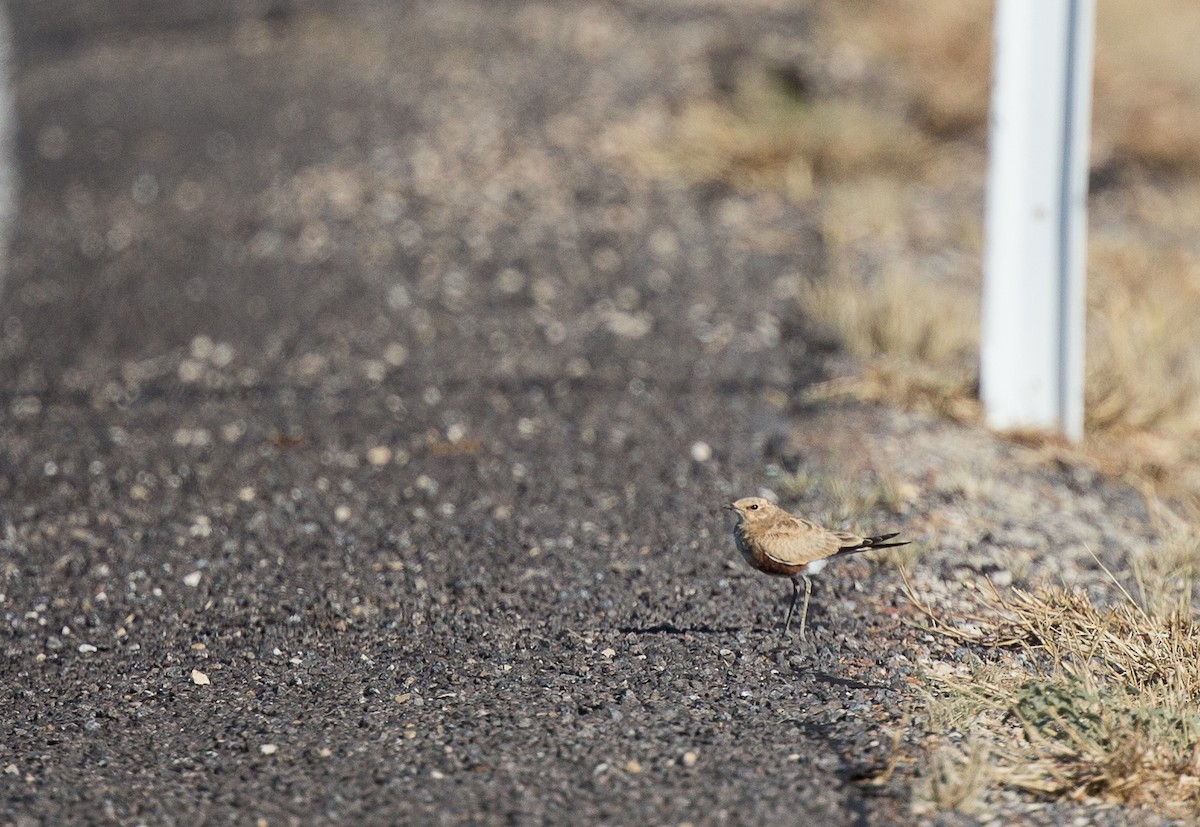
x: 918, y: 339
x: 1077, y: 700
x: 957, y: 778
x: 916, y: 352
x: 1144, y: 337
x: 766, y: 138
x: 1167, y: 578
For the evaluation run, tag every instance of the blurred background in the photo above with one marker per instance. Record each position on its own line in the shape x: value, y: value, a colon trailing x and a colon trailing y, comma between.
x: 136, y: 147
x: 880, y: 124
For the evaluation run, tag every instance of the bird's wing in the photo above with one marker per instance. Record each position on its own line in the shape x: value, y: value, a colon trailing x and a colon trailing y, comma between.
x: 849, y: 540
x: 795, y: 541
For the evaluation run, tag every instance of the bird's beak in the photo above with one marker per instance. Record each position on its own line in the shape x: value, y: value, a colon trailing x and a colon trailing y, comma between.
x: 729, y: 507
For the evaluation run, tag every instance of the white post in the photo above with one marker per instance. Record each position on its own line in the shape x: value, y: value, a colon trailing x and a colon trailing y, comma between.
x: 1031, y: 371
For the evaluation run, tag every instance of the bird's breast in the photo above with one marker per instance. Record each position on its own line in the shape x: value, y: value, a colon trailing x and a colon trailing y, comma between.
x: 759, y: 559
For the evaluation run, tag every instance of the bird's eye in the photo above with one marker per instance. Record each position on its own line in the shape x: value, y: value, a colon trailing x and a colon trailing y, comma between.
x: 754, y: 507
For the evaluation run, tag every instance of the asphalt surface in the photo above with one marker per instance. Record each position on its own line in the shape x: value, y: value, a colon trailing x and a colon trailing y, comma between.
x: 366, y: 421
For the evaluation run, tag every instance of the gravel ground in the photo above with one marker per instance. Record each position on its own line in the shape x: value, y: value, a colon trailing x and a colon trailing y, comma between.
x: 366, y: 421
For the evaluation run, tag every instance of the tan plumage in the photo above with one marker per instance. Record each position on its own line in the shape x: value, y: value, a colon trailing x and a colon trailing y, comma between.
x: 787, y: 545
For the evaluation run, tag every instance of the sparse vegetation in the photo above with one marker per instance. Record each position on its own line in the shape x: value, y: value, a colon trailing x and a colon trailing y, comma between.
x: 1077, y: 700
x: 765, y: 138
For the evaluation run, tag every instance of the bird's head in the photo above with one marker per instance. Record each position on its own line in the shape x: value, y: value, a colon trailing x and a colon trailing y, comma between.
x: 752, y: 509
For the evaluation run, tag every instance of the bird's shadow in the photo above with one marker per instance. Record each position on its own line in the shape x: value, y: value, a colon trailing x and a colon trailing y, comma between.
x: 835, y: 680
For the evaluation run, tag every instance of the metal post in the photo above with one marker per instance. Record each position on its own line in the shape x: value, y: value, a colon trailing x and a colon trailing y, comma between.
x: 1031, y: 371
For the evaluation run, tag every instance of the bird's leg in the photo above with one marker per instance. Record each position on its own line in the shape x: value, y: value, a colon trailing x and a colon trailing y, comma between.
x: 804, y: 611
x: 787, y: 626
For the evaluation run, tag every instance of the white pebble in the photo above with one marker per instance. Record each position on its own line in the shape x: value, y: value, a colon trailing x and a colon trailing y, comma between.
x: 701, y: 451
x: 379, y: 455
x: 202, y: 347
x: 395, y: 354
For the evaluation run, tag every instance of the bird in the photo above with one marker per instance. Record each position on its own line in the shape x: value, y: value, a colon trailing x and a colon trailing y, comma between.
x: 779, y: 543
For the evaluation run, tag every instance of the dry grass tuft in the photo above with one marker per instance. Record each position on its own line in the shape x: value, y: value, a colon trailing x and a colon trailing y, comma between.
x: 894, y: 313
x: 1082, y: 701
x: 918, y: 342
x: 909, y: 385
x: 958, y: 778
x: 1167, y: 578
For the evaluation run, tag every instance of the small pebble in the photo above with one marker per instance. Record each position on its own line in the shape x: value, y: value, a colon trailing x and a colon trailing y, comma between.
x: 690, y: 759
x: 701, y: 451
x: 199, y: 678
x: 268, y: 749
x: 192, y: 579
x: 395, y: 354
x: 379, y: 455
x: 86, y: 648
x: 202, y: 347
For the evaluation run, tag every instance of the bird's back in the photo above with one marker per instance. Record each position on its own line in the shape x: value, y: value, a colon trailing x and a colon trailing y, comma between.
x: 792, y: 541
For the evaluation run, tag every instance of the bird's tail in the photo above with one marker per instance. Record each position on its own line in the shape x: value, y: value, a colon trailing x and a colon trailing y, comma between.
x: 872, y: 543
